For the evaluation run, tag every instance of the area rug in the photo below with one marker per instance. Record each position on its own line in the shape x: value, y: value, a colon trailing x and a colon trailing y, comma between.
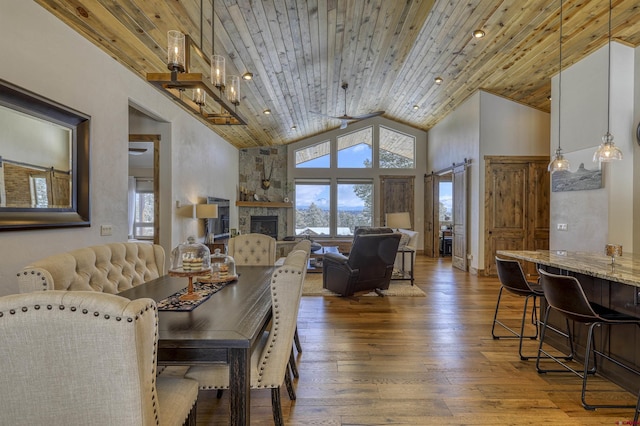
x: 313, y: 287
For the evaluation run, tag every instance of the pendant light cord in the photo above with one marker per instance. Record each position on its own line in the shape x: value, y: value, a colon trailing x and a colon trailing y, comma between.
x: 560, y: 81
x: 609, y: 75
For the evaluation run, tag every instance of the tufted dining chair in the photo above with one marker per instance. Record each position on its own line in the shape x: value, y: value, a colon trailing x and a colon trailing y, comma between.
x: 270, y: 357
x: 253, y: 249
x: 85, y: 357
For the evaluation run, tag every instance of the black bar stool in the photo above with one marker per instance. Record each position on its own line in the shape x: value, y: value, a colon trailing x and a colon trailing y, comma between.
x: 564, y: 294
x: 513, y: 280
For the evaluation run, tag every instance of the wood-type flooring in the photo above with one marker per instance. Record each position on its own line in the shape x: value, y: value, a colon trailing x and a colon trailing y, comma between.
x: 421, y: 361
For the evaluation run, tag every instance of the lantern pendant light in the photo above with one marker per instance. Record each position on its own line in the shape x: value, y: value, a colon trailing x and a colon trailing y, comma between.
x: 608, y: 151
x: 559, y: 163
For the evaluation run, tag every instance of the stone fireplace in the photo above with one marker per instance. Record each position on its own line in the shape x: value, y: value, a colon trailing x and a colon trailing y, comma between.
x: 267, y: 225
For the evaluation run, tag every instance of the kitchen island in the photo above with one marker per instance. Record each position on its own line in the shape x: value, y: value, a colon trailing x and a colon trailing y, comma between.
x: 615, y: 286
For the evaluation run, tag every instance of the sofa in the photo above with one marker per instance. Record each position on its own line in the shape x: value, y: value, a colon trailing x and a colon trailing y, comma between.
x: 109, y: 268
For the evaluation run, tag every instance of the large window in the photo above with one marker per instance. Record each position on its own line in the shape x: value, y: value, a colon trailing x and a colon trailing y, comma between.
x: 354, y: 206
x: 335, y: 176
x: 313, y: 201
x: 354, y: 149
x: 397, y: 150
x: 314, y: 156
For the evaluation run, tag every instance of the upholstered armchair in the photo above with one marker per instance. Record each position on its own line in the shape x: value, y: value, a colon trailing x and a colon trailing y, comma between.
x: 368, y: 267
x: 85, y: 357
x: 253, y: 249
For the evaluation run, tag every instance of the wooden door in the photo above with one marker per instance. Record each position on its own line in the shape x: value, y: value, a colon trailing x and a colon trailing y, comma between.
x: 431, y: 215
x: 396, y: 195
x: 516, y: 207
x: 459, y: 229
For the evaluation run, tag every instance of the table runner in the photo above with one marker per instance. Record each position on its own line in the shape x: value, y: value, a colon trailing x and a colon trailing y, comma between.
x: 173, y: 302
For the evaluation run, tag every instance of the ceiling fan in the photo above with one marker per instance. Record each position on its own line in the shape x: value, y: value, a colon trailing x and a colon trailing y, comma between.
x: 346, y: 119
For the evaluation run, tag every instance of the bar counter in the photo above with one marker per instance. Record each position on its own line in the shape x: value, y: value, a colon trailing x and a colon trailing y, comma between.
x: 626, y: 269
x: 616, y: 287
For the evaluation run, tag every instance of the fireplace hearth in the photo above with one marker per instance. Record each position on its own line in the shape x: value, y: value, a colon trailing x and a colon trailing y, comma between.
x: 267, y: 225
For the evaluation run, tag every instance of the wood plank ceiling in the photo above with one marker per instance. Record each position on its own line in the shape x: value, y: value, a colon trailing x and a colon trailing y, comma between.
x: 388, y: 51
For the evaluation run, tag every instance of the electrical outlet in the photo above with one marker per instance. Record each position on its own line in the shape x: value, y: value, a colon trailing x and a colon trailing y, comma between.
x: 562, y: 227
x: 106, y: 230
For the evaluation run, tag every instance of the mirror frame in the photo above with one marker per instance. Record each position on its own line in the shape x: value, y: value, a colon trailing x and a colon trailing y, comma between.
x: 79, y: 214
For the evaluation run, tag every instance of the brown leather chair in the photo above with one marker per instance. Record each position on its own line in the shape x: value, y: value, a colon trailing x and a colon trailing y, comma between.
x: 368, y: 267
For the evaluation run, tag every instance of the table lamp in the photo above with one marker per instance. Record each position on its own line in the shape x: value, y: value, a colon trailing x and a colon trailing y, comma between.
x: 207, y: 211
x: 399, y: 220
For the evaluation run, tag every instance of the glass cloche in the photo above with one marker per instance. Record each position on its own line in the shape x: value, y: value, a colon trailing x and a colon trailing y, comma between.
x: 190, y: 257
x: 223, y: 267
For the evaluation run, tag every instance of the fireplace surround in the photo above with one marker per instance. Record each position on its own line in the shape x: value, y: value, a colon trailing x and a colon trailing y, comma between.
x: 267, y: 225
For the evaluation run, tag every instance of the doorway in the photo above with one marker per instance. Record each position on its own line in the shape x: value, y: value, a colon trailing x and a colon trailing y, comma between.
x: 445, y: 215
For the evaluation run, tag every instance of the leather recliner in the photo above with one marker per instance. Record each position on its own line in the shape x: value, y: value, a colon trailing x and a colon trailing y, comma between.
x: 369, y: 265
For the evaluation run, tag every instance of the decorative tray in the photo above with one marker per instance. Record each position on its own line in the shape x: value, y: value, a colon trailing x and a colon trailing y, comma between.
x: 216, y: 278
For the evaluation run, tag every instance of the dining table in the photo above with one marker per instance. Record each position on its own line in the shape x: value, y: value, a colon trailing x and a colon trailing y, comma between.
x: 222, y: 329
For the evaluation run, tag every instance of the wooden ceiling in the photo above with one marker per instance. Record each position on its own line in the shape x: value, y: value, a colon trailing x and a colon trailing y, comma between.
x: 388, y: 51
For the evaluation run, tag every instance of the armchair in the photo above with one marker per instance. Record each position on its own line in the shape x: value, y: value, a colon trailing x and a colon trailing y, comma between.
x: 368, y: 267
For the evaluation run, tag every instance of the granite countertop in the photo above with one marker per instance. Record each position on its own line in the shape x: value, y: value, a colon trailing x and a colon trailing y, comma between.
x: 626, y: 269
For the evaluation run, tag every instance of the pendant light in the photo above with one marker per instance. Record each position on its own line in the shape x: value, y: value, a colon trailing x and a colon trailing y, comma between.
x: 559, y: 163
x: 608, y: 151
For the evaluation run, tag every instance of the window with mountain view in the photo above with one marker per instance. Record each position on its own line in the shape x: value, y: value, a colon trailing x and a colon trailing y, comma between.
x: 354, y: 149
x: 397, y: 150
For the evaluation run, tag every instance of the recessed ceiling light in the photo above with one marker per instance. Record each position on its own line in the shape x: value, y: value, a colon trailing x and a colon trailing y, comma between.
x: 478, y: 34
x: 438, y: 80
x: 247, y: 76
x: 416, y: 107
x: 294, y: 127
x: 266, y: 112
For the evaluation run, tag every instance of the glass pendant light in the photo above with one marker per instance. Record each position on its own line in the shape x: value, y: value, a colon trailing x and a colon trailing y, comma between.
x: 608, y: 151
x: 559, y: 163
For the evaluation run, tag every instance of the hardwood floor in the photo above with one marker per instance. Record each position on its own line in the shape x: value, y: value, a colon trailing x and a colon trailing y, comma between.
x: 421, y: 361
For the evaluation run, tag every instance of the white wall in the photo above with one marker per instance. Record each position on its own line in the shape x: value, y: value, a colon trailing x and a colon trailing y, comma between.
x: 604, y: 215
x: 53, y: 61
x: 483, y: 125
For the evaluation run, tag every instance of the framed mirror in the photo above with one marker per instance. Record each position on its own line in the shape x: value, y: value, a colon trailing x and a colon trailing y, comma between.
x: 44, y: 162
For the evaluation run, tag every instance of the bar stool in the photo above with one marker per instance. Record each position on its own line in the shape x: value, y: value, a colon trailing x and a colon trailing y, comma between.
x: 513, y: 280
x: 565, y: 295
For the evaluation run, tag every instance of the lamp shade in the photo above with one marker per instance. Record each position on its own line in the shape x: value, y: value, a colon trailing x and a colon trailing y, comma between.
x: 399, y: 220
x: 206, y: 211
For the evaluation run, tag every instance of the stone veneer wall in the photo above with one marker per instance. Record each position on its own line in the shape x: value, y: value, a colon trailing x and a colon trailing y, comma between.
x: 255, y: 163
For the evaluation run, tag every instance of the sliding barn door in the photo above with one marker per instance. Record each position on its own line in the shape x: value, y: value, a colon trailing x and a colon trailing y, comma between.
x: 431, y: 215
x: 459, y: 230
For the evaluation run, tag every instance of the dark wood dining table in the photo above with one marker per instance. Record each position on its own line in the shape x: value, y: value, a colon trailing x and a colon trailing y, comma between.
x: 223, y: 329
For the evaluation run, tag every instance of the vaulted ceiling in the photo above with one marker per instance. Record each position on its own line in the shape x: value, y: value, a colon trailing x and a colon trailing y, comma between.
x: 388, y: 51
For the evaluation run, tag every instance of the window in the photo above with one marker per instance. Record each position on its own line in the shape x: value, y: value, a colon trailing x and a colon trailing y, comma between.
x: 314, y: 156
x: 144, y: 215
x: 313, y: 201
x: 354, y: 206
x: 397, y: 150
x: 446, y: 201
x: 354, y: 149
